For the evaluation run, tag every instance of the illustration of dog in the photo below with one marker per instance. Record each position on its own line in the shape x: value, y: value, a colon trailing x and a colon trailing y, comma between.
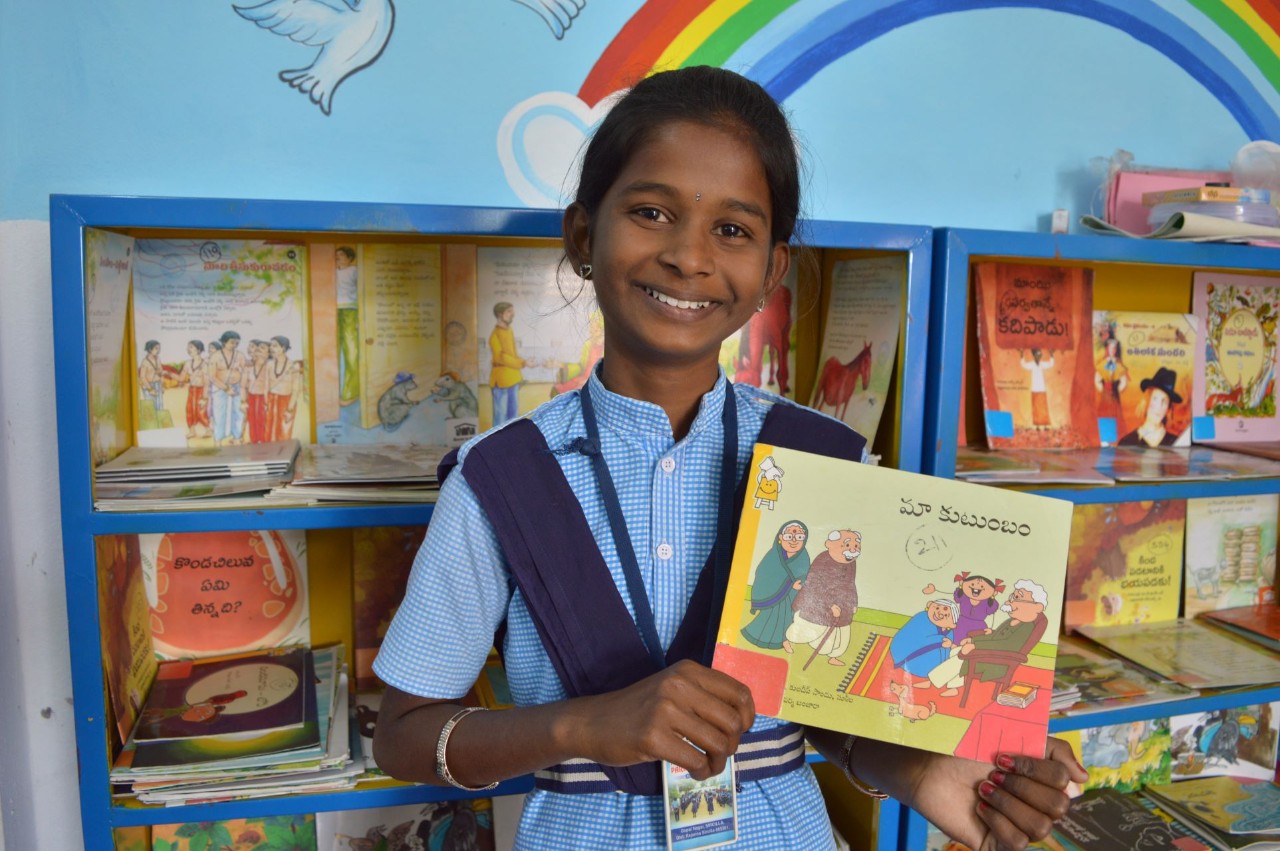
x: 913, y: 712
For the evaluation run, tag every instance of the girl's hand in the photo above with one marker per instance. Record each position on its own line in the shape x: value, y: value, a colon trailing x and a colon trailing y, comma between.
x: 686, y: 714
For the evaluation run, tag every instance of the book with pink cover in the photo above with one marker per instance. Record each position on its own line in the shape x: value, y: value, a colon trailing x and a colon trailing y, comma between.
x: 1234, y: 398
x: 1035, y: 346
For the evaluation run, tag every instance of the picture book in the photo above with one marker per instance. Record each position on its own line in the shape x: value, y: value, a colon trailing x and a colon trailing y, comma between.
x: 216, y: 593
x: 1035, y: 347
x: 1236, y: 465
x: 1125, y: 757
x: 859, y: 348
x: 296, y: 832
x: 1233, y: 398
x: 132, y: 838
x: 1236, y: 805
x: 1041, y: 466
x: 881, y: 612
x: 537, y: 329
x: 381, y: 559
x: 763, y: 353
x: 177, y: 463
x: 1143, y: 364
x: 1258, y: 623
x: 367, y: 705
x: 436, y: 824
x: 1235, y: 740
x: 382, y: 320
x: 219, y: 342
x: 972, y: 462
x: 1105, y: 819
x: 1260, y: 449
x: 1190, y: 653
x: 128, y: 657
x: 1097, y: 681
x: 108, y: 271
x: 1230, y: 552
x: 1125, y: 564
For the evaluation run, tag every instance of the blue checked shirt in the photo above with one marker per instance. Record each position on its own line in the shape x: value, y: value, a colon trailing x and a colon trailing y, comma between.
x: 460, y: 591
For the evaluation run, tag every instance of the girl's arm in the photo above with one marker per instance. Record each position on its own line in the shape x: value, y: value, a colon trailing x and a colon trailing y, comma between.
x: 687, y: 714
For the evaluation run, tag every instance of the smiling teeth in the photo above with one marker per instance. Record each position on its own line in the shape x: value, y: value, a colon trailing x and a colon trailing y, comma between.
x: 675, y: 302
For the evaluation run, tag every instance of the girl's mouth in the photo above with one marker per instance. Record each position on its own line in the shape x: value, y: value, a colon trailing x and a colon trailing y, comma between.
x: 675, y: 302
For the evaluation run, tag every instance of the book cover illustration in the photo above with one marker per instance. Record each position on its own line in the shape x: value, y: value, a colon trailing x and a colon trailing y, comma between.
x: 1106, y: 820
x: 763, y: 354
x: 127, y: 653
x: 133, y: 838
x: 1230, y: 552
x: 860, y: 340
x: 388, y: 322
x: 1235, y: 805
x: 1125, y: 757
x: 382, y: 557
x: 1234, y: 397
x: 428, y: 827
x: 220, y: 342
x: 538, y: 332
x: 1259, y: 624
x: 1125, y: 564
x: 1036, y: 351
x: 108, y: 272
x: 1190, y: 653
x: 216, y: 593
x: 1098, y: 682
x: 1142, y: 370
x: 829, y: 620
x: 266, y: 833
x: 1238, y: 740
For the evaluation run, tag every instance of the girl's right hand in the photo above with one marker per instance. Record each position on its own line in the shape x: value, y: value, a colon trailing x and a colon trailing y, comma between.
x: 687, y: 714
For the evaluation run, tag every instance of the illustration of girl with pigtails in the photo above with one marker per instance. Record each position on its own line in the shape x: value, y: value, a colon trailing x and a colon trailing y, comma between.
x: 976, y: 596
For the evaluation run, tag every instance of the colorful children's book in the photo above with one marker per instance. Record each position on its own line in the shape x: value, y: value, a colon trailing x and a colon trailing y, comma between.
x: 108, y: 270
x: 1105, y: 819
x: 218, y: 593
x: 763, y: 353
x: 296, y: 832
x: 1125, y: 564
x: 219, y: 342
x: 1235, y: 805
x: 128, y: 656
x: 1035, y: 345
x: 1231, y: 552
x: 860, y: 340
x: 1235, y: 740
x: 972, y: 462
x: 1096, y: 681
x: 1234, y: 398
x: 1143, y: 365
x: 825, y: 623
x: 1258, y: 623
x: 1052, y: 466
x: 1125, y: 757
x: 1188, y: 652
x: 381, y: 559
x: 438, y: 824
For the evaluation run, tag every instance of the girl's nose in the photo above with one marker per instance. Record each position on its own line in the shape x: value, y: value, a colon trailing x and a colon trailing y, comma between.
x: 689, y: 252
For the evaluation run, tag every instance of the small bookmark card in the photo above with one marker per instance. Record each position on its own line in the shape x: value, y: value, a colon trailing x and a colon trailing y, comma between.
x: 700, y: 813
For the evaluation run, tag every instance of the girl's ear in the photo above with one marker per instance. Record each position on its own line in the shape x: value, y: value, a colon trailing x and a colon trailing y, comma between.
x: 575, y: 229
x: 780, y: 264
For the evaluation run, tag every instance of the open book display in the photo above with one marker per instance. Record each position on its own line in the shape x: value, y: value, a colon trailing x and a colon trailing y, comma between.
x: 865, y: 599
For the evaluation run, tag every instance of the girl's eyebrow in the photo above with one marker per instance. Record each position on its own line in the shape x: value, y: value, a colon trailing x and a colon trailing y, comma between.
x: 665, y: 189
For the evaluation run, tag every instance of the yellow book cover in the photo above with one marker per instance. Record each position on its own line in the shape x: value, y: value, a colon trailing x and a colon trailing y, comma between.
x: 833, y: 614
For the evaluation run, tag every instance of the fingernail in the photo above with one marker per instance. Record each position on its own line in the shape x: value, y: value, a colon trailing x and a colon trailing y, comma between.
x: 1080, y: 765
x: 986, y: 788
x: 1005, y: 761
x: 997, y: 777
x: 983, y: 805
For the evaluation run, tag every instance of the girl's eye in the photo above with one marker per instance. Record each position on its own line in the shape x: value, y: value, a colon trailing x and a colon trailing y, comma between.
x: 652, y: 214
x: 731, y: 231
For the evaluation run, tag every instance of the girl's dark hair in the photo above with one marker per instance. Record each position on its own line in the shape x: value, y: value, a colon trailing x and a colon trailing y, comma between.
x: 704, y: 95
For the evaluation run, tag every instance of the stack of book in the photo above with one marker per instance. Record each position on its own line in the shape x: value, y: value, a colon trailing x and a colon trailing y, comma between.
x: 1189, y: 652
x: 241, y: 726
x: 330, y: 472
x: 1259, y: 623
x: 1224, y: 812
x: 1086, y: 680
x: 146, y: 478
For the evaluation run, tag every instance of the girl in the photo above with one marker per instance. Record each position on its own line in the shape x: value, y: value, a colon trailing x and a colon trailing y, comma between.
x: 1158, y: 395
x: 585, y: 528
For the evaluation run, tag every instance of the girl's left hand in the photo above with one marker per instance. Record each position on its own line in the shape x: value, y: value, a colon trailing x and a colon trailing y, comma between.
x: 1023, y: 797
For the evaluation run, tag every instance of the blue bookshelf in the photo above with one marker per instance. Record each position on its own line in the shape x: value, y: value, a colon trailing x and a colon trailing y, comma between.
x: 72, y: 215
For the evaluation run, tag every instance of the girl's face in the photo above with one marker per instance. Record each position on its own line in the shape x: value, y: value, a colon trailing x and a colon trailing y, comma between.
x: 978, y: 589
x: 680, y: 248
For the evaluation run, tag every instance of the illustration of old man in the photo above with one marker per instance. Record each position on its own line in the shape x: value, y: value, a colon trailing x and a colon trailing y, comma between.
x: 828, y: 599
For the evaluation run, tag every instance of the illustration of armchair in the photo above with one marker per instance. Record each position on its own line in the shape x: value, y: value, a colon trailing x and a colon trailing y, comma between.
x: 999, y: 664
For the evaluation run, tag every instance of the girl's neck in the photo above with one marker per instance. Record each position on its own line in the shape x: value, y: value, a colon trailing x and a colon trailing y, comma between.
x: 677, y: 390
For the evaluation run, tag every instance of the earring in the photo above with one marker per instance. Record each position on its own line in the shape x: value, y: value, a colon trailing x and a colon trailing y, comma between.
x: 584, y: 271
x: 760, y: 306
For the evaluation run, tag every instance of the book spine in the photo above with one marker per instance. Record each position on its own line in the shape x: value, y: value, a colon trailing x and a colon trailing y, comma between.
x: 1231, y: 194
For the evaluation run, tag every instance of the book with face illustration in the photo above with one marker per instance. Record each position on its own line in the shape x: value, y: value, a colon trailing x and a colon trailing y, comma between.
x: 1143, y: 364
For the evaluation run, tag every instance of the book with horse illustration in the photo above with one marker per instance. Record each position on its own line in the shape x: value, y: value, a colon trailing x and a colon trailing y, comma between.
x: 895, y: 605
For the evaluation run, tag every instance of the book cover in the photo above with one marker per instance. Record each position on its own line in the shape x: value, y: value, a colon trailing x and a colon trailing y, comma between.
x: 1036, y: 350
x: 437, y: 824
x: 1125, y: 757
x: 1125, y: 564
x: 860, y: 340
x: 1105, y: 819
x: 108, y: 272
x: 1230, y: 552
x: 382, y: 557
x: 295, y: 832
x: 1233, y: 398
x: 1235, y: 805
x: 826, y: 622
x: 1142, y: 369
x: 218, y: 593
x: 763, y: 353
x: 128, y: 656
x: 1100, y: 682
x: 1259, y: 623
x: 1237, y: 740
x: 538, y: 332
x: 219, y: 342
x: 1190, y: 653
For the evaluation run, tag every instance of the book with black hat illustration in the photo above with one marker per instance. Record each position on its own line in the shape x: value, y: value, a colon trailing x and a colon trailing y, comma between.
x: 1143, y: 365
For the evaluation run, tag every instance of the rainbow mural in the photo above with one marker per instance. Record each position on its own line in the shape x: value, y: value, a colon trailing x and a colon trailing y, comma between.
x: 782, y: 44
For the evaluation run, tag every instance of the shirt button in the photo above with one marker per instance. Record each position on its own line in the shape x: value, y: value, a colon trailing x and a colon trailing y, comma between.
x: 668, y: 464
x: 665, y: 552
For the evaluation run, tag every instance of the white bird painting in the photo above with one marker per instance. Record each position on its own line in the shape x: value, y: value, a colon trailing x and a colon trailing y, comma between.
x: 351, y: 35
x: 558, y: 15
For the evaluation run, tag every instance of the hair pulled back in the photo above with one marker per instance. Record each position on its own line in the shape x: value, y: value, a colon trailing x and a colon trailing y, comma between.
x: 704, y: 95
